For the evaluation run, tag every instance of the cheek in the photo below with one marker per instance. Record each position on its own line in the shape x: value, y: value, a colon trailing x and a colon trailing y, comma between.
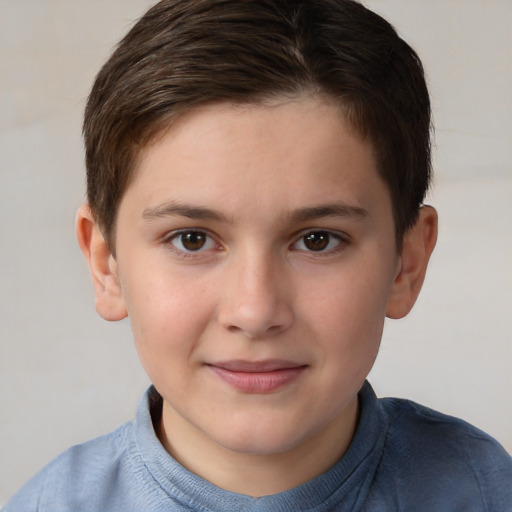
x: 350, y: 301
x: 348, y: 315
x: 349, y: 344
x: 167, y: 315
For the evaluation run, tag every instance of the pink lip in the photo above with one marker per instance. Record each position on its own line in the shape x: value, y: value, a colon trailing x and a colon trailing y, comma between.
x: 257, y: 376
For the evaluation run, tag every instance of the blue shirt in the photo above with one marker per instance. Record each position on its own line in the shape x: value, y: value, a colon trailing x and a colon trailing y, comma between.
x: 404, y: 457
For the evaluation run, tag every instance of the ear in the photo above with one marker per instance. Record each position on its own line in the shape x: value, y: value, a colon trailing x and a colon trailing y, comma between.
x: 109, y: 298
x: 418, y: 244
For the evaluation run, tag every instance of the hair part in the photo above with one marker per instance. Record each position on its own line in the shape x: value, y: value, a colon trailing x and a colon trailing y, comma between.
x: 185, y: 53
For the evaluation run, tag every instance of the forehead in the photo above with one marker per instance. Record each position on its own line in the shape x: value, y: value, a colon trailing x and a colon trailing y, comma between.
x: 303, y: 149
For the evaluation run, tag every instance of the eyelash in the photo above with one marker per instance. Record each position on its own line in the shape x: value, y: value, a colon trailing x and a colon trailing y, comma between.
x: 184, y: 252
x: 341, y: 242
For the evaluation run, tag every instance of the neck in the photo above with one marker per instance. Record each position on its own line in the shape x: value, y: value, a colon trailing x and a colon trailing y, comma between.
x: 257, y: 474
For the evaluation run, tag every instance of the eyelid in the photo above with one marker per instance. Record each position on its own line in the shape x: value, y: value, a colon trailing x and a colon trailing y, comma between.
x: 168, y: 238
x: 342, y: 238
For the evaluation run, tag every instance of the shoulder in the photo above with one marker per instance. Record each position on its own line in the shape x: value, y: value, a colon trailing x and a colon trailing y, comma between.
x: 453, y: 457
x: 410, y: 421
x: 64, y: 482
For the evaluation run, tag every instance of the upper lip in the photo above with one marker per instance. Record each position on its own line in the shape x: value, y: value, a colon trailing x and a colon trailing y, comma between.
x: 268, y: 365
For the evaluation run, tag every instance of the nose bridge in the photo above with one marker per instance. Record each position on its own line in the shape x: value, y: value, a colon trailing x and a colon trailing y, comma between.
x: 256, y: 301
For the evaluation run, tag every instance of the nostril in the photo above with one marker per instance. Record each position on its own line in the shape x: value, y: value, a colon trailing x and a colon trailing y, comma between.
x: 256, y: 331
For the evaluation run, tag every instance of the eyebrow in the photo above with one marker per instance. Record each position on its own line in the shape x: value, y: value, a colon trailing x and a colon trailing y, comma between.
x: 329, y: 210
x: 173, y: 209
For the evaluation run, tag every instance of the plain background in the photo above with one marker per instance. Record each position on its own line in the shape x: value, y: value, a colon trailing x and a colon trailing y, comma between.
x: 66, y: 375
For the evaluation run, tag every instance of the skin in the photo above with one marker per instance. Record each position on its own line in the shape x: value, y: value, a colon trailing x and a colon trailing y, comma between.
x: 257, y: 238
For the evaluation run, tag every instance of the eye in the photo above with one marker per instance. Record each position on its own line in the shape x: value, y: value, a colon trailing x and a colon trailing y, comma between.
x: 192, y: 241
x: 318, y: 241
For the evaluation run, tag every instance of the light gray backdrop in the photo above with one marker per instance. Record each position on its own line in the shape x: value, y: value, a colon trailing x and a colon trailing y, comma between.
x: 66, y: 375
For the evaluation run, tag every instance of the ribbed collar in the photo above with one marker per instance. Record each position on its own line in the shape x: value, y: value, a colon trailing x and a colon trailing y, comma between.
x: 343, y: 487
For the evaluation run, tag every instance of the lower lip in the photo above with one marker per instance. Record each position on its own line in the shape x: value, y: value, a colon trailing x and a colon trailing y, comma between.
x: 259, y: 382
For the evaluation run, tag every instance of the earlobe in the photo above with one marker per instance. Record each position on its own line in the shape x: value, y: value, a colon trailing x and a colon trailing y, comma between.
x: 109, y: 298
x: 418, y: 244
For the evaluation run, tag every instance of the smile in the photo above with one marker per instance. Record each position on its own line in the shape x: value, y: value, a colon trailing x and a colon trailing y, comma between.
x: 257, y: 377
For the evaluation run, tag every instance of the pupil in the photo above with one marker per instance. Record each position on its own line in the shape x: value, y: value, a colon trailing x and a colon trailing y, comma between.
x: 193, y: 241
x: 317, y: 241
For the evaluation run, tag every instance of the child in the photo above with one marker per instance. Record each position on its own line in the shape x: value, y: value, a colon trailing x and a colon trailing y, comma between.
x: 256, y: 173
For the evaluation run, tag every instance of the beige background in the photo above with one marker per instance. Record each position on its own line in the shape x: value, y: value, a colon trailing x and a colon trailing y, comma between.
x: 66, y: 375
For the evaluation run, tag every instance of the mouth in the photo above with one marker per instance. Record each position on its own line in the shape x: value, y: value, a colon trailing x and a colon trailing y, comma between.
x: 258, y: 377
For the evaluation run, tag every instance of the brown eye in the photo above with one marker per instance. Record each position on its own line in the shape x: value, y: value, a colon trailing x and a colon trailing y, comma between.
x: 192, y: 241
x: 318, y: 241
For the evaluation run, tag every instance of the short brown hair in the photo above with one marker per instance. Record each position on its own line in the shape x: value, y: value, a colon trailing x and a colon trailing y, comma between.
x: 183, y: 53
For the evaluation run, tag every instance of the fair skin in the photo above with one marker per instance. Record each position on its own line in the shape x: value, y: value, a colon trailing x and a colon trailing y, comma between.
x: 256, y: 260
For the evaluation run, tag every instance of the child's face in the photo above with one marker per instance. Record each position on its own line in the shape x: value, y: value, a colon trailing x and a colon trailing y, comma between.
x: 256, y: 256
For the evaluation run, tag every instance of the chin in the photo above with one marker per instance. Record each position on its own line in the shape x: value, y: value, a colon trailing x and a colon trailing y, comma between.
x: 260, y: 441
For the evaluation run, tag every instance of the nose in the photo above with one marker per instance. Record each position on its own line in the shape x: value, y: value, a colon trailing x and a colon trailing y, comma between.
x: 257, y: 297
